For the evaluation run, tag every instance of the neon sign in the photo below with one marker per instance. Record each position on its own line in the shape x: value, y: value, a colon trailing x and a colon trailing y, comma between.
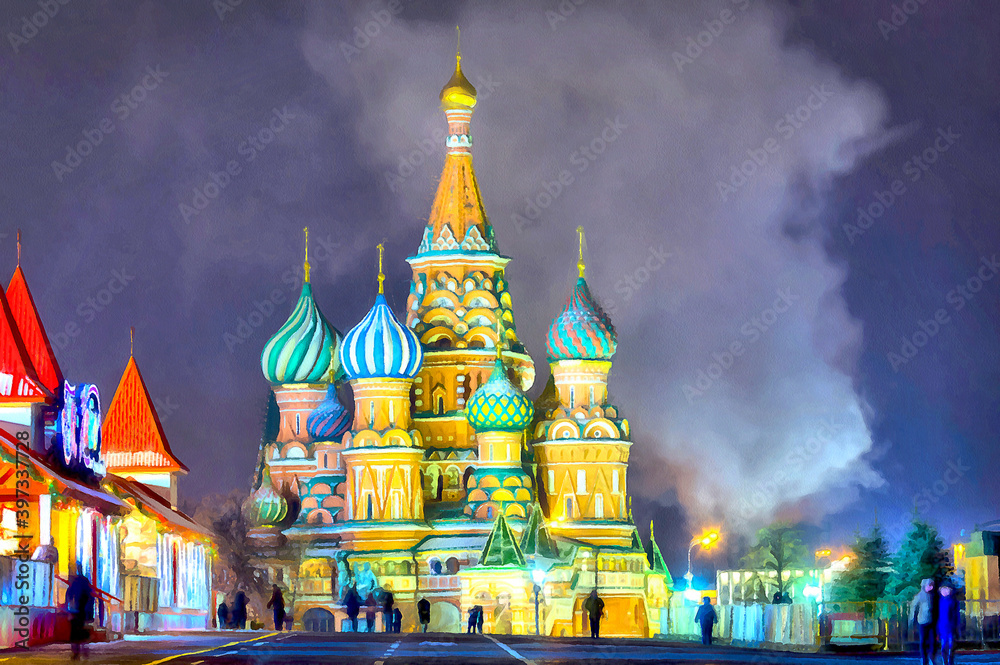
x: 80, y: 427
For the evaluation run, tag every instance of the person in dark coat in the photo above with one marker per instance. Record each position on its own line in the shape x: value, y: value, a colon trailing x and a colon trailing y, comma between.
x: 80, y: 605
x: 397, y: 620
x: 277, y: 605
x: 387, y: 615
x: 352, y: 601
x: 222, y: 615
x: 424, y: 613
x: 472, y: 620
x: 238, y: 615
x: 947, y: 622
x: 595, y: 611
x: 480, y: 615
x: 922, y: 613
x: 370, y: 605
x: 706, y: 618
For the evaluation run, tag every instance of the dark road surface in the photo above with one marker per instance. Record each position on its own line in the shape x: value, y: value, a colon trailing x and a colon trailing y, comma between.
x: 245, y: 647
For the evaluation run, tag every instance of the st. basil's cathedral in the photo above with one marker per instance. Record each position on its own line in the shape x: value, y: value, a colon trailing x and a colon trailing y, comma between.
x: 444, y: 481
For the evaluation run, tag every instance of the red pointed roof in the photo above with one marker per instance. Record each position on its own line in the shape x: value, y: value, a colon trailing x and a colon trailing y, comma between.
x: 29, y: 324
x: 18, y: 381
x: 132, y: 436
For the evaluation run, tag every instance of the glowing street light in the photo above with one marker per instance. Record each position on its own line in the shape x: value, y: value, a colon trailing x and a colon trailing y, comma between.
x: 705, y: 541
x: 538, y: 577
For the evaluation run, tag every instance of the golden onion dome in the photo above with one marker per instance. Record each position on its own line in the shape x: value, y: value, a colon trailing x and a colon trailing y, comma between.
x: 458, y: 93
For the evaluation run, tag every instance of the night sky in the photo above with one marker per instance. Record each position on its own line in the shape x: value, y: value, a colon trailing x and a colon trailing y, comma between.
x: 781, y: 353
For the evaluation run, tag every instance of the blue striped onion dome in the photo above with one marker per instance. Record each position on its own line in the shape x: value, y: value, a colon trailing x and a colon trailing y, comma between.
x: 301, y: 350
x: 268, y: 507
x: 582, y: 331
x: 498, y: 405
x: 380, y: 346
x: 330, y: 419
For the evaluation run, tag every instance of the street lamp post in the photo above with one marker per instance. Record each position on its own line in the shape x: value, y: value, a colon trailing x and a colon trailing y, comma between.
x: 538, y: 577
x: 704, y: 541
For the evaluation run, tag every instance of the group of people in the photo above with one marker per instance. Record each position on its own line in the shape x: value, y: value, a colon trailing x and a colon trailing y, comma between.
x: 233, y: 616
x: 392, y: 617
x: 475, y: 620
x: 936, y: 615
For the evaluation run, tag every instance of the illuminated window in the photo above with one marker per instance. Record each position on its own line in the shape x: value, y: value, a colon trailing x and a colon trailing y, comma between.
x: 371, y: 414
x: 298, y: 424
x: 491, y: 452
x: 592, y: 395
x: 614, y: 480
x: 392, y: 415
x: 396, y: 508
x: 370, y: 508
x: 581, y: 481
x: 599, y: 506
x: 552, y: 480
x: 569, y: 507
x: 572, y: 396
x: 440, y: 404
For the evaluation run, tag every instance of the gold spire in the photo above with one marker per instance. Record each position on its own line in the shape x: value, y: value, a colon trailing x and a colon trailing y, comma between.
x: 131, y: 341
x: 500, y: 338
x: 651, y: 536
x: 305, y: 265
x: 580, y: 264
x: 19, y: 247
x: 458, y: 93
x: 333, y: 360
x: 381, y: 275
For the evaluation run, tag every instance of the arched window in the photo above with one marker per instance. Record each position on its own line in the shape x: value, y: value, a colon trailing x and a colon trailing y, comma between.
x: 298, y: 424
x: 371, y: 414
x: 572, y: 396
x: 440, y: 405
x: 370, y: 508
x: 599, y: 506
x: 569, y: 507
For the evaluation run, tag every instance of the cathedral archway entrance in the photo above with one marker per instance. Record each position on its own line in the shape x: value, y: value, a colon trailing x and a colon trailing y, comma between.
x: 318, y: 620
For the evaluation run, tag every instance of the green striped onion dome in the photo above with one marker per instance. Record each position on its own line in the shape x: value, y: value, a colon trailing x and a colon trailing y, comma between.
x: 301, y: 350
x: 268, y: 507
x: 497, y: 405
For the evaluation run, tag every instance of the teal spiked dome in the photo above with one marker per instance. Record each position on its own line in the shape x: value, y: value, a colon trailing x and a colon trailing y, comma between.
x: 301, y: 350
x: 497, y: 405
x: 582, y: 331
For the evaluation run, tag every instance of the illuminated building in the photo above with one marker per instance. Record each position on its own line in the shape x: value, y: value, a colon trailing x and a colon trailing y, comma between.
x: 445, y: 482
x: 144, y: 559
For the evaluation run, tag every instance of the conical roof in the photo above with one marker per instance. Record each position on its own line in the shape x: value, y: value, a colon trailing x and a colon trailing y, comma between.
x: 132, y: 435
x: 536, y: 541
x: 501, y: 547
x: 29, y: 324
x: 18, y: 380
x: 656, y: 562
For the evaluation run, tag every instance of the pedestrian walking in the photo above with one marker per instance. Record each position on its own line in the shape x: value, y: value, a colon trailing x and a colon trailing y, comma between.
x: 473, y: 617
x: 370, y: 613
x: 947, y: 622
x: 277, y: 605
x: 397, y: 620
x: 387, y: 614
x: 922, y: 613
x: 352, y: 601
x: 80, y: 605
x: 238, y: 615
x: 595, y: 612
x: 706, y: 618
x: 222, y: 616
x: 424, y: 613
x: 480, y: 615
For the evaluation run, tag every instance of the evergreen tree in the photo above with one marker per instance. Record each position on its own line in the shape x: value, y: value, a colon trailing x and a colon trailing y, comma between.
x: 867, y: 576
x: 779, y: 547
x: 921, y: 555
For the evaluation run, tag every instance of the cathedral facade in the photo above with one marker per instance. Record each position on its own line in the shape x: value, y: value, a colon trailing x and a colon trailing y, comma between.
x: 443, y: 480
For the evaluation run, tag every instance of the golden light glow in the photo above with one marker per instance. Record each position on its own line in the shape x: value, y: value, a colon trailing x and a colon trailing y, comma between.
x: 822, y: 553
x: 709, y: 539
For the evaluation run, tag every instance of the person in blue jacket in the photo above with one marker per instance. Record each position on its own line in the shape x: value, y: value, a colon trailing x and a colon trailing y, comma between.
x: 706, y: 618
x: 947, y: 622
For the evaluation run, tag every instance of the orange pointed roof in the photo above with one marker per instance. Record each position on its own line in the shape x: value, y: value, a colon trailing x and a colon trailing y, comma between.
x: 132, y: 436
x: 29, y: 324
x: 18, y: 380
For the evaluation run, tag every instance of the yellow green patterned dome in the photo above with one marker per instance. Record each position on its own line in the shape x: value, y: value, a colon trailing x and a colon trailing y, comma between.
x: 497, y: 405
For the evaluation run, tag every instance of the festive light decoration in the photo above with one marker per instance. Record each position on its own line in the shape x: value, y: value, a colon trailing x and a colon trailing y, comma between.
x: 80, y: 427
